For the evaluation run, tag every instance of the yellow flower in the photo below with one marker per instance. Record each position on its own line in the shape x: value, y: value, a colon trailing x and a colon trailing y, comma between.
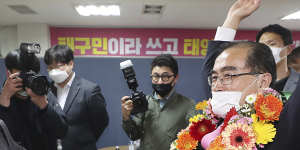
x: 201, y: 105
x: 265, y: 132
x: 196, y: 118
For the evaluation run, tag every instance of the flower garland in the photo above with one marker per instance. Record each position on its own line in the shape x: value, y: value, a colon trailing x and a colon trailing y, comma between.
x: 247, y: 128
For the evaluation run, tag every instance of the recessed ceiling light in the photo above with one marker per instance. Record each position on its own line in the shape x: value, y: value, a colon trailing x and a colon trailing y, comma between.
x: 153, y: 9
x: 292, y: 16
x: 96, y: 10
x: 22, y: 9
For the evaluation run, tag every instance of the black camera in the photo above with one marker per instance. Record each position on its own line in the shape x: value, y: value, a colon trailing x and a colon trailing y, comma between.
x: 36, y: 82
x: 140, y: 103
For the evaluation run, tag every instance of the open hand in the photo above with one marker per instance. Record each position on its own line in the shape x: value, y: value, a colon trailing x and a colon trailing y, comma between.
x: 240, y: 10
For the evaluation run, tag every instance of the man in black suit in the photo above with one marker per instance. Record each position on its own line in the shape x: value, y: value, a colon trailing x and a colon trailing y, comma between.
x: 80, y: 99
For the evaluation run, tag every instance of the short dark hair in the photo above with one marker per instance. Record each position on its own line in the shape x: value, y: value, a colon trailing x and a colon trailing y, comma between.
x: 294, y: 55
x: 284, y: 33
x: 259, y: 58
x: 58, y: 54
x: 165, y: 60
x: 13, y: 60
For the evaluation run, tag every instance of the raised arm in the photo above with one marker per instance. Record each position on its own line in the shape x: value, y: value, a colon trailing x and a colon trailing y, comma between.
x: 240, y: 10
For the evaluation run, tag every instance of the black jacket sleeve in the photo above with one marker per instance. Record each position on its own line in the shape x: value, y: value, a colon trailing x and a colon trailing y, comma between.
x: 52, y: 119
x: 96, y: 108
x: 288, y: 129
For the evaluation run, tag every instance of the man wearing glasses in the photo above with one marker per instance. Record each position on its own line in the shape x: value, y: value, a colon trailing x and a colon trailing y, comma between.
x: 243, y: 68
x: 278, y: 38
x: 168, y: 111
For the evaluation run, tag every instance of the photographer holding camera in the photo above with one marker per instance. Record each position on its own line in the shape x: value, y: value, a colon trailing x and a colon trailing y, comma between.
x: 168, y: 112
x: 34, y: 121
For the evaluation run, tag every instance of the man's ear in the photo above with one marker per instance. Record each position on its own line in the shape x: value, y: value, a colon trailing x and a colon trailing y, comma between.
x: 265, y: 80
x: 176, y: 78
x: 71, y: 63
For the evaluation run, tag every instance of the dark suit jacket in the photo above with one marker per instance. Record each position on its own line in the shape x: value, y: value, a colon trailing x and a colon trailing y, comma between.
x: 288, y: 131
x: 85, y: 109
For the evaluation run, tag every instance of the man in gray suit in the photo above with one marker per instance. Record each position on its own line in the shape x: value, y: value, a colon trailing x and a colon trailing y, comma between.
x: 80, y: 99
x: 168, y: 111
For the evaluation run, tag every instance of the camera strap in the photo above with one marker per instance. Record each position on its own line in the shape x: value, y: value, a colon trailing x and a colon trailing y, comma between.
x: 10, y: 143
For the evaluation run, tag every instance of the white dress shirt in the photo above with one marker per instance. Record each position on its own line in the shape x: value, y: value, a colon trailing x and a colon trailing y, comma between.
x: 225, y: 34
x: 62, y: 92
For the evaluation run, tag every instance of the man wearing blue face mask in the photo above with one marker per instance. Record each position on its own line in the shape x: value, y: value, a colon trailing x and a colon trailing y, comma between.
x: 168, y: 111
x: 80, y: 99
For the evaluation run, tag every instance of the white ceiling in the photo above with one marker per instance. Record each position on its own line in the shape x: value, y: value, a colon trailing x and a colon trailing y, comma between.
x: 204, y: 14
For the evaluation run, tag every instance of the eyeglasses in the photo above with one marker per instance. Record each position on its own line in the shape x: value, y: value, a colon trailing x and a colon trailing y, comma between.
x: 164, y: 77
x: 226, y: 79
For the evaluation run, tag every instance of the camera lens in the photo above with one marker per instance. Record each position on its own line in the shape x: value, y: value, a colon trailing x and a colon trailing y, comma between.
x: 39, y: 85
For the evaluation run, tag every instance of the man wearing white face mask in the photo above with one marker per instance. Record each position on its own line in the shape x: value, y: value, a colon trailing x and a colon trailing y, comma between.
x: 237, y: 73
x: 278, y: 38
x: 220, y: 107
x: 80, y: 99
x: 223, y: 64
x: 236, y: 70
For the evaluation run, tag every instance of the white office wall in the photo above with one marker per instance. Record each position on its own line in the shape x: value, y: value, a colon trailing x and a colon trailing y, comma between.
x: 8, y: 39
x: 34, y: 33
x: 12, y: 36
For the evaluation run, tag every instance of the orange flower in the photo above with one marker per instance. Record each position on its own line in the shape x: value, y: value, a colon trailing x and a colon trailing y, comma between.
x: 216, y: 144
x: 186, y: 142
x: 201, y: 105
x: 268, y: 107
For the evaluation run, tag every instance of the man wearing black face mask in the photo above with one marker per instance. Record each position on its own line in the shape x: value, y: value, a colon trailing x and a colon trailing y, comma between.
x: 168, y: 112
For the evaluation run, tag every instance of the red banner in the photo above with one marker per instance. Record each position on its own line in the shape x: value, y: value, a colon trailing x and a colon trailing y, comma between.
x: 140, y: 42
